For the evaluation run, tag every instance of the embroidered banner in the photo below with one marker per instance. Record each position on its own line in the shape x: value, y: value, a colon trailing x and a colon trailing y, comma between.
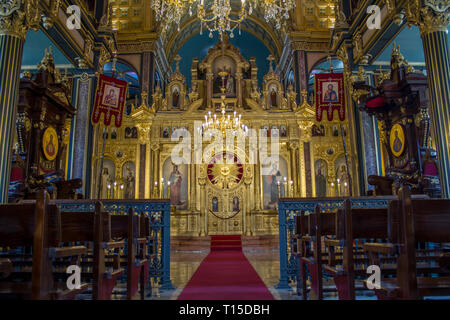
x: 109, y: 100
x: 330, y: 95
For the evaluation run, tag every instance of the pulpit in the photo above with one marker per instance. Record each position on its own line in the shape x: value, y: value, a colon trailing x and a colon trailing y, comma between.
x: 39, y: 152
x: 400, y: 103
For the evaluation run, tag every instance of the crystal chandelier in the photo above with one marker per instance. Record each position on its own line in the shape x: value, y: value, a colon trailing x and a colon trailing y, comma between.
x: 219, y: 15
x: 276, y: 11
x: 224, y: 123
x: 171, y: 11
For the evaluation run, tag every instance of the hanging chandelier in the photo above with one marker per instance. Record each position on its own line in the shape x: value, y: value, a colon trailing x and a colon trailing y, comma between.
x: 276, y: 11
x: 218, y: 16
x: 169, y: 12
x: 224, y: 123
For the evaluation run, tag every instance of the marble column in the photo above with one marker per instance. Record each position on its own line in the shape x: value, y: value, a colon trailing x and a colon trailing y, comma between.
x: 433, y: 28
x: 14, y: 24
x: 84, y: 87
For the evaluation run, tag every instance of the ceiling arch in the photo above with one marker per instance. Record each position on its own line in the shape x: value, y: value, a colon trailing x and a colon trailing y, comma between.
x: 253, y: 24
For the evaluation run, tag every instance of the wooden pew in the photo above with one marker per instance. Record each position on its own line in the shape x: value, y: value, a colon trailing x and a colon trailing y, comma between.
x: 36, y: 225
x: 95, y: 228
x: 312, y: 260
x: 412, y: 221
x: 128, y: 227
x: 354, y: 224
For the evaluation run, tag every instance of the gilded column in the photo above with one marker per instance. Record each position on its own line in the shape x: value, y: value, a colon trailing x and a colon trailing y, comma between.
x: 155, y: 149
x: 293, y: 146
x: 16, y: 18
x: 433, y: 19
x: 203, y: 211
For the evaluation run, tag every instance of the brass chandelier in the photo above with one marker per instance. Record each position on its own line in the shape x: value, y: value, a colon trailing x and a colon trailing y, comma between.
x: 224, y: 123
x: 218, y: 15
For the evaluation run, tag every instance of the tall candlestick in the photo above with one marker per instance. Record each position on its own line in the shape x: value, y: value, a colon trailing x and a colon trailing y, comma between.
x: 168, y: 190
x: 279, y: 189
x: 291, y: 191
x: 155, y: 190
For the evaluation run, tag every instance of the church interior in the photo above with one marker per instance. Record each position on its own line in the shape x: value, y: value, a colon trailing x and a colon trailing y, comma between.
x: 224, y: 150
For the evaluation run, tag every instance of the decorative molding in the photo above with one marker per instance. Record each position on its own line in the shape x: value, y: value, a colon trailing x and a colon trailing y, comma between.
x: 17, y: 17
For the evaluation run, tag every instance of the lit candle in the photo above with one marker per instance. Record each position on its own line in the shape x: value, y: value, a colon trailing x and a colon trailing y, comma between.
x: 168, y: 189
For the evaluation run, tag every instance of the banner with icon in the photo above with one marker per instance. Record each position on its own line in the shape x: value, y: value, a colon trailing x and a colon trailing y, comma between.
x: 109, y: 100
x: 330, y: 95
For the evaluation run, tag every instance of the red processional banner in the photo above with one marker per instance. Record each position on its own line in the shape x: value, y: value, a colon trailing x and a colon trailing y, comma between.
x: 109, y: 100
x: 330, y: 95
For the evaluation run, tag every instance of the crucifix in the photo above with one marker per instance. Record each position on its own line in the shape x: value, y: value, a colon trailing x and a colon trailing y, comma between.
x: 177, y: 61
x: 271, y: 59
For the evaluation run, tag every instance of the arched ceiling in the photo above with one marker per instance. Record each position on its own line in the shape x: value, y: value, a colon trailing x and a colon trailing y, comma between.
x: 253, y: 24
x: 134, y: 19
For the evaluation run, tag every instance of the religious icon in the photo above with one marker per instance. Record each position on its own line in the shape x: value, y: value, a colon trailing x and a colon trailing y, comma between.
x: 110, y: 99
x: 274, y: 180
x: 318, y: 131
x: 128, y: 133
x: 342, y: 175
x: 134, y: 133
x: 283, y: 131
x: 330, y: 94
x: 273, y: 96
x: 274, y: 131
x: 397, y: 140
x: 230, y: 86
x: 129, y: 183
x: 166, y: 133
x: 321, y: 180
x: 50, y: 144
x: 175, y: 132
x: 215, y: 204
x: 235, y: 204
x: 265, y: 131
x: 175, y: 186
x: 107, y: 180
x: 175, y: 97
x: 335, y: 131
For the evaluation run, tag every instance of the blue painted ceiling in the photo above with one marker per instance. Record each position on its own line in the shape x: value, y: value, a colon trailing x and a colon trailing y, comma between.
x: 198, y: 46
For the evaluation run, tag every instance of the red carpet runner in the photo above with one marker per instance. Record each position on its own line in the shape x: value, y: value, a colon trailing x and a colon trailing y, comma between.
x: 225, y: 274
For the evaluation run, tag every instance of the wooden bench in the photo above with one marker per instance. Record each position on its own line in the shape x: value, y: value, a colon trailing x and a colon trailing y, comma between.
x: 95, y: 229
x: 412, y: 221
x: 129, y: 227
x: 37, y: 226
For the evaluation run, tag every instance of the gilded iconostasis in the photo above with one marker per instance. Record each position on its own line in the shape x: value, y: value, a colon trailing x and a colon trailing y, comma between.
x: 233, y: 189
